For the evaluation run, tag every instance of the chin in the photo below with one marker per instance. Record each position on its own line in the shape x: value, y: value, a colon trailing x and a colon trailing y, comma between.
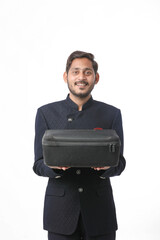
x: 81, y: 94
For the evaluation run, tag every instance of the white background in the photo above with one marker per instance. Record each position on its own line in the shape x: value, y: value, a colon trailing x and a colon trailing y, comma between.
x: 36, y: 37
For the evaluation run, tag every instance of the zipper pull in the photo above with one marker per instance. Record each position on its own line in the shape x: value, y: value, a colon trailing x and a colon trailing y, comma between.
x: 112, y: 148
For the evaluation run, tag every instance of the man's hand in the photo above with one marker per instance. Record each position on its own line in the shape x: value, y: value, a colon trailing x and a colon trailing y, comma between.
x: 101, y: 168
x: 60, y: 168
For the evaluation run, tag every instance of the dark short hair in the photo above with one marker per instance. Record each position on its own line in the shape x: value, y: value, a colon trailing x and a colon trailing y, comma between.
x: 80, y: 54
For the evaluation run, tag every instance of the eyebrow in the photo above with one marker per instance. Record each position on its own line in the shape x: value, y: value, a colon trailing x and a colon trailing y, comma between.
x: 82, y: 69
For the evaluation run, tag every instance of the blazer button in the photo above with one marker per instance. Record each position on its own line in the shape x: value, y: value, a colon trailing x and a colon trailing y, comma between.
x: 78, y: 172
x: 102, y: 177
x: 70, y: 119
x: 80, y: 190
x: 58, y: 176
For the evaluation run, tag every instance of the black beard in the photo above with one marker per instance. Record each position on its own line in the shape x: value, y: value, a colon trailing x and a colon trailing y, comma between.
x: 81, y: 95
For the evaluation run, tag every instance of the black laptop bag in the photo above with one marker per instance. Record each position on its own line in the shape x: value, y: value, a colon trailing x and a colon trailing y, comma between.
x: 81, y: 148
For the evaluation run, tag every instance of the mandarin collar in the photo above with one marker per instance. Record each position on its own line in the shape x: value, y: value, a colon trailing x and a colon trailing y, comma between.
x: 75, y: 106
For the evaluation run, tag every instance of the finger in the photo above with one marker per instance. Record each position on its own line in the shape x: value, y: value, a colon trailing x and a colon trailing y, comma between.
x: 55, y: 167
x: 97, y: 169
x: 101, y: 168
x: 65, y: 168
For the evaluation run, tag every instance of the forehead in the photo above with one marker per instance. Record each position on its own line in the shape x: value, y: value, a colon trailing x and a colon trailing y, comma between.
x: 81, y: 63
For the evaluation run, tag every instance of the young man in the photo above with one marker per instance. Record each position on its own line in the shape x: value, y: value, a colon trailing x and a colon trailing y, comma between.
x: 78, y: 202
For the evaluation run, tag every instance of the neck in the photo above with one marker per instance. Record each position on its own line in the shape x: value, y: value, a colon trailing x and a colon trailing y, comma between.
x: 79, y: 101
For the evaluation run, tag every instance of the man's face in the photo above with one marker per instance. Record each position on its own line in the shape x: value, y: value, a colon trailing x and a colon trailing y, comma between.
x: 81, y: 77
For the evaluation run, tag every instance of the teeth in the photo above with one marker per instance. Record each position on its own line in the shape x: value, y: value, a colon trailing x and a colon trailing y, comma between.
x: 81, y: 84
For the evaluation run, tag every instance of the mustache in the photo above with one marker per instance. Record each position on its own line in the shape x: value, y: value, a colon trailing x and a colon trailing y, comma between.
x: 81, y: 82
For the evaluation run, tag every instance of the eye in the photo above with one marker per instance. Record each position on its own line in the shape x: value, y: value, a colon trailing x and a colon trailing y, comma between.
x: 88, y: 73
x: 75, y: 72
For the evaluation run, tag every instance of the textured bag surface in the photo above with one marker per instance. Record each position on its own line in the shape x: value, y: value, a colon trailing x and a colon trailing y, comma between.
x: 81, y: 148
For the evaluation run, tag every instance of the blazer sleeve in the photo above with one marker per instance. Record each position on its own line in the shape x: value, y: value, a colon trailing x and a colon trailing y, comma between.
x: 117, y: 126
x: 39, y: 167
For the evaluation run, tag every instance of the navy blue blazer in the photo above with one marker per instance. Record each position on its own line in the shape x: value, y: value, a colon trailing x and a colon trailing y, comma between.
x: 78, y: 190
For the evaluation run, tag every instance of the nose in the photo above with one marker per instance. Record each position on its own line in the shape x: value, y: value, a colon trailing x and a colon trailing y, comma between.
x: 82, y: 75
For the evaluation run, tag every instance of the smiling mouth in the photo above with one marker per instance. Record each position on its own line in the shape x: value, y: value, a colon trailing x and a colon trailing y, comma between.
x: 81, y: 84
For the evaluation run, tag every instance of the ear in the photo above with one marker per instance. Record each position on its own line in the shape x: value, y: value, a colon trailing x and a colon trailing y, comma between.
x: 65, y: 77
x: 97, y: 78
